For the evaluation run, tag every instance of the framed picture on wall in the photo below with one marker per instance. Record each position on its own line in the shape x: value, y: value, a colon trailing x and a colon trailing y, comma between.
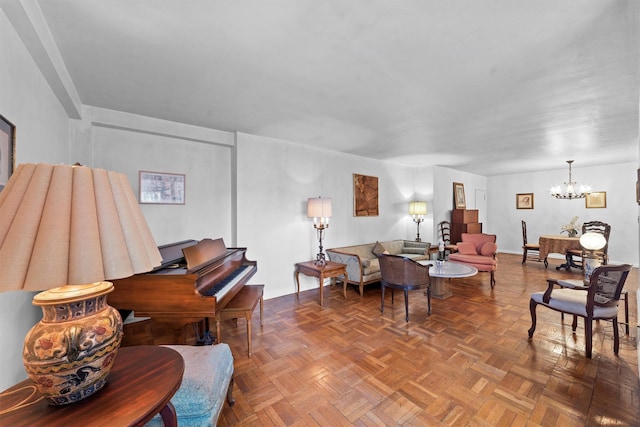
x: 365, y: 195
x: 524, y: 201
x: 596, y: 199
x: 7, y: 150
x: 161, y: 188
x: 458, y: 196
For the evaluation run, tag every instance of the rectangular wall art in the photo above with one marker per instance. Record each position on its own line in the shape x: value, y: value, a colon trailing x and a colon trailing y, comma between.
x: 162, y: 188
x: 7, y: 150
x: 524, y: 201
x: 365, y: 195
x: 596, y: 199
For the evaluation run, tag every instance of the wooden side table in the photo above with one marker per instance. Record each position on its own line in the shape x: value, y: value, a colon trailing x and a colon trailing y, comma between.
x: 329, y: 270
x: 242, y: 305
x: 141, y: 384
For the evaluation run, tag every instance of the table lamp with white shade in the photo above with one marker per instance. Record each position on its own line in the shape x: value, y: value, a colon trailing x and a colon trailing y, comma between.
x: 591, y: 242
x: 319, y: 209
x: 65, y: 230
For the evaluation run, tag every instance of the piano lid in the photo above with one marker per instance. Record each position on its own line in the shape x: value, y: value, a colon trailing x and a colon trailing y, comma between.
x: 205, y: 251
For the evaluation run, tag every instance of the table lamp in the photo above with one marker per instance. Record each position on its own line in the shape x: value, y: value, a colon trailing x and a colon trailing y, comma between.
x: 591, y: 242
x: 65, y: 230
x: 320, y: 210
x: 418, y: 210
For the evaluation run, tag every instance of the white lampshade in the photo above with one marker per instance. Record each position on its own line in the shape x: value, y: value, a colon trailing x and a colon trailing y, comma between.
x: 418, y: 208
x: 70, y: 225
x: 318, y: 207
x: 593, y: 241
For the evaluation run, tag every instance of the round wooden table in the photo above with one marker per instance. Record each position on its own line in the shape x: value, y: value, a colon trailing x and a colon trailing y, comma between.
x: 141, y: 384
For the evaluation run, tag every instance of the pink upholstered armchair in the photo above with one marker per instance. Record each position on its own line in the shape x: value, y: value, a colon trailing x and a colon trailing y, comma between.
x: 478, y: 250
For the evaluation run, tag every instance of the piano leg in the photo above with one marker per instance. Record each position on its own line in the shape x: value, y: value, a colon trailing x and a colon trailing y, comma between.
x: 203, y: 333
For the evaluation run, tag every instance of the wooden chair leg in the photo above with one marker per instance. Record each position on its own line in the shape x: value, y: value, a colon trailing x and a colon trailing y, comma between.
x: 532, y: 309
x: 588, y: 339
x: 406, y: 305
x: 616, y: 336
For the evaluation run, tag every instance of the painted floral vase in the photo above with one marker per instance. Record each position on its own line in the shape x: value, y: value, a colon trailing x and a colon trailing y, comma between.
x: 70, y: 352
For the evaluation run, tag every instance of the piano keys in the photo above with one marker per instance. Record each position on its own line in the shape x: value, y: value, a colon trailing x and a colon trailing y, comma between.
x: 195, y: 280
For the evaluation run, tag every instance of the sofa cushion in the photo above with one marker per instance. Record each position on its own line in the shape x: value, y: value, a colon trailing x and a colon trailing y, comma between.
x: 474, y: 260
x: 378, y: 249
x: 373, y: 266
x: 488, y: 249
x: 467, y: 248
x: 394, y: 246
x: 478, y: 239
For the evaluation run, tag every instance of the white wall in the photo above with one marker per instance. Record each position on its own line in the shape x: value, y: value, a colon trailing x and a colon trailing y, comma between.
x: 207, y: 170
x: 443, y: 194
x: 41, y: 135
x: 550, y: 214
x: 275, y: 179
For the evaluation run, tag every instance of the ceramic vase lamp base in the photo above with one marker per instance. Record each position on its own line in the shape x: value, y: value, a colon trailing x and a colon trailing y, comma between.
x: 70, y: 352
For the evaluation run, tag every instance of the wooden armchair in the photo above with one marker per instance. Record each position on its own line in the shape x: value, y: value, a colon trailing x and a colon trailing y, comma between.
x: 599, y: 301
x: 478, y: 250
x: 405, y: 274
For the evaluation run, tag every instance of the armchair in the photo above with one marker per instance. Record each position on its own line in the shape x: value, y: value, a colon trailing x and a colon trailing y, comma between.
x: 403, y: 273
x: 599, y: 301
x: 478, y: 250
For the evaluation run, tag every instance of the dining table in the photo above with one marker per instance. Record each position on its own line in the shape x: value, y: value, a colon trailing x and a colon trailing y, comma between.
x: 559, y: 244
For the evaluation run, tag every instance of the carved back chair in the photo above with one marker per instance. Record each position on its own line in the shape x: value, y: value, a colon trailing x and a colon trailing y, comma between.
x: 593, y: 227
x: 598, y: 302
x: 444, y: 234
x: 529, y: 247
x: 404, y: 274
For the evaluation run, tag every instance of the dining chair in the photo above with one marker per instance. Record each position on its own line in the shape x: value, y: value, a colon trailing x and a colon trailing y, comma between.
x: 598, y: 302
x: 592, y: 227
x: 405, y: 274
x: 529, y: 247
x: 444, y: 234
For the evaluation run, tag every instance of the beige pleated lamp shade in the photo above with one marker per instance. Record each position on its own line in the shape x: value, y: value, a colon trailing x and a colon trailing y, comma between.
x: 70, y: 225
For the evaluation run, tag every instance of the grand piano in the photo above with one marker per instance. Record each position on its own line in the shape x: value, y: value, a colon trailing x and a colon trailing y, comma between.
x: 195, y: 281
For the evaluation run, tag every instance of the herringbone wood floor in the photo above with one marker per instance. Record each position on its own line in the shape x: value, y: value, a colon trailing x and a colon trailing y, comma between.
x: 469, y: 363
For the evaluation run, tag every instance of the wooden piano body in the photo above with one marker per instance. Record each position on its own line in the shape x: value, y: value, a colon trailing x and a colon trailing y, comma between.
x: 195, y: 281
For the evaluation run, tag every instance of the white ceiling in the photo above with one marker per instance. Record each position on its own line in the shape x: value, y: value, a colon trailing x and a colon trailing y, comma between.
x: 485, y: 86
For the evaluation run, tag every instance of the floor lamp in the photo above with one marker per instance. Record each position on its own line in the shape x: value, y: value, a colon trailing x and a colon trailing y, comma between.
x: 320, y: 210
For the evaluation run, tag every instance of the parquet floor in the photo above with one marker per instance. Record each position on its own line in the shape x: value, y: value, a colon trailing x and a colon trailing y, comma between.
x: 468, y: 364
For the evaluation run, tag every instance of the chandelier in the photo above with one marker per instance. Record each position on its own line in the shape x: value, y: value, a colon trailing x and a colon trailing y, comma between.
x: 570, y: 190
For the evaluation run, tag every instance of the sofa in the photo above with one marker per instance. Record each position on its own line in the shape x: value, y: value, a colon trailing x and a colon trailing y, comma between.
x: 362, y: 262
x: 478, y: 250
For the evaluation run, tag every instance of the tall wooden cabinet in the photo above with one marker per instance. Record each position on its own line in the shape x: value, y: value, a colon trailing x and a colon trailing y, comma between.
x: 464, y: 221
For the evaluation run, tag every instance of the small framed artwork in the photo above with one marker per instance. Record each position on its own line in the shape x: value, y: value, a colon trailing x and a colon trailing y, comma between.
x: 365, y: 195
x: 596, y: 199
x: 161, y: 188
x: 638, y: 188
x: 524, y: 201
x: 458, y: 196
x: 7, y: 150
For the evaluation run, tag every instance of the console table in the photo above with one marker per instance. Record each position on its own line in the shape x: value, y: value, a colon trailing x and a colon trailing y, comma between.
x: 141, y: 384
